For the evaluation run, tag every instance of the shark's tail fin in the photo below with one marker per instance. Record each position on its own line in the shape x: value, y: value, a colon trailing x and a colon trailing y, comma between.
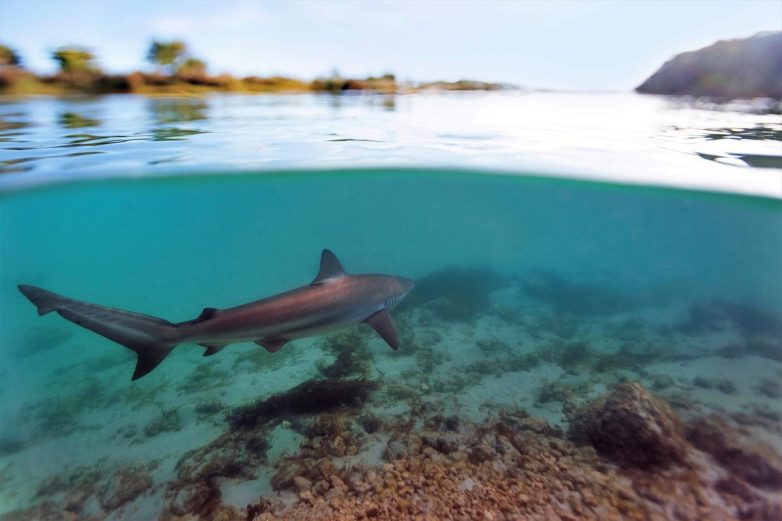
x: 151, y: 338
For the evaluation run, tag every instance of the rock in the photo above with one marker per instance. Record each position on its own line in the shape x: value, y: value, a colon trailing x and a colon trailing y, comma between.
x: 754, y: 462
x: 632, y: 427
x: 741, y: 68
x: 445, y: 444
x: 395, y: 449
x: 661, y: 381
x: 370, y: 423
x: 224, y: 513
x: 320, y: 488
x: 306, y: 496
x: 301, y: 483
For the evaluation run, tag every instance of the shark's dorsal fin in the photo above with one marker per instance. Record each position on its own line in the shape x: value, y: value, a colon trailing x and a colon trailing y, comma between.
x: 206, y: 314
x: 330, y: 268
x: 272, y: 345
x: 382, y: 323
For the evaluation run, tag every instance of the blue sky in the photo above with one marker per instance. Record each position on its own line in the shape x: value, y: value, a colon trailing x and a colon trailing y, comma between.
x: 556, y: 44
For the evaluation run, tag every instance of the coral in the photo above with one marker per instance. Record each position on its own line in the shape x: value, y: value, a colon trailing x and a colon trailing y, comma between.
x: 503, y: 471
x: 310, y: 397
x: 632, y: 427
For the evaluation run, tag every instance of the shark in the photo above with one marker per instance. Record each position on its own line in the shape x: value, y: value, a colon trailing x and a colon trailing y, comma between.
x: 334, y: 300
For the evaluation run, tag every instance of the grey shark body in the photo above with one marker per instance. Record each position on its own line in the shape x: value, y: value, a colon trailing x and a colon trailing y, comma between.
x: 332, y: 301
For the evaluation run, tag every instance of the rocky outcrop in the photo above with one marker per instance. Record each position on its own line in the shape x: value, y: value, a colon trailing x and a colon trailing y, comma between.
x: 741, y: 68
x: 754, y: 462
x: 631, y: 427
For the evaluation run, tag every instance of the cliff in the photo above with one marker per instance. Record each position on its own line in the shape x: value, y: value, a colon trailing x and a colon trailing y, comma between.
x: 741, y: 68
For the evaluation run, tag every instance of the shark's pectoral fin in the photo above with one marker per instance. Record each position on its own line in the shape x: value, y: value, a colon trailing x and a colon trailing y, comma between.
x: 382, y: 323
x: 206, y: 314
x: 330, y: 267
x: 272, y: 345
x: 212, y: 349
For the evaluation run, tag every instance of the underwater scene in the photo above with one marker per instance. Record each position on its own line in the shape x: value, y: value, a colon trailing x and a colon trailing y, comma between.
x: 576, y: 346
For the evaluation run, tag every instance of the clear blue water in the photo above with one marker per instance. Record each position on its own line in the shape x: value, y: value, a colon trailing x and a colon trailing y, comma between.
x: 417, y: 187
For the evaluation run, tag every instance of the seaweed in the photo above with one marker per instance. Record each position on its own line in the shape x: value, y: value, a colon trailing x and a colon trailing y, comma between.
x: 573, y: 357
x: 206, y: 409
x: 203, y: 377
x: 720, y: 314
x: 10, y: 446
x: 493, y: 346
x: 350, y: 349
x: 627, y: 358
x: 310, y: 397
x: 579, y: 298
x: 762, y: 348
x: 196, y: 489
x: 168, y: 421
x: 455, y: 294
x: 41, y: 339
x: 60, y: 416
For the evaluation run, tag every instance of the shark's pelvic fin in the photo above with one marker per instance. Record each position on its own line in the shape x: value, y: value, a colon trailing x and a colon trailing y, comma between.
x: 382, y: 323
x: 330, y: 267
x: 206, y: 314
x: 212, y: 349
x: 151, y: 338
x: 272, y: 345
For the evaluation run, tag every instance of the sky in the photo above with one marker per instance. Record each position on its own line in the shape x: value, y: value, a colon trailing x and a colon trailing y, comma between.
x: 558, y: 44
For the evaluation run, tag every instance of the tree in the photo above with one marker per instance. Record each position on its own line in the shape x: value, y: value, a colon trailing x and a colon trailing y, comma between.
x: 75, y: 60
x: 192, y: 70
x: 192, y: 66
x: 9, y: 57
x: 167, y: 54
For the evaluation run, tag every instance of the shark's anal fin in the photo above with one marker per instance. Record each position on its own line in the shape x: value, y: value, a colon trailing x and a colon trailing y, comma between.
x: 382, y: 323
x: 212, y: 349
x: 330, y: 268
x: 206, y: 314
x: 272, y: 345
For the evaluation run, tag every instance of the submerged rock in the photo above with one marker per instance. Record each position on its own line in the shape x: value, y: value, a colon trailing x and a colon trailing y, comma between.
x: 632, y: 427
x: 753, y: 462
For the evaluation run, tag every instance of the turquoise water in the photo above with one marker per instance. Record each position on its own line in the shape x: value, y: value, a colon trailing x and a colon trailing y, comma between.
x: 636, y: 283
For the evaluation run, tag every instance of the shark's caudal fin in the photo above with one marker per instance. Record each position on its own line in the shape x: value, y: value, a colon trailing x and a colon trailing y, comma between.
x: 151, y: 338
